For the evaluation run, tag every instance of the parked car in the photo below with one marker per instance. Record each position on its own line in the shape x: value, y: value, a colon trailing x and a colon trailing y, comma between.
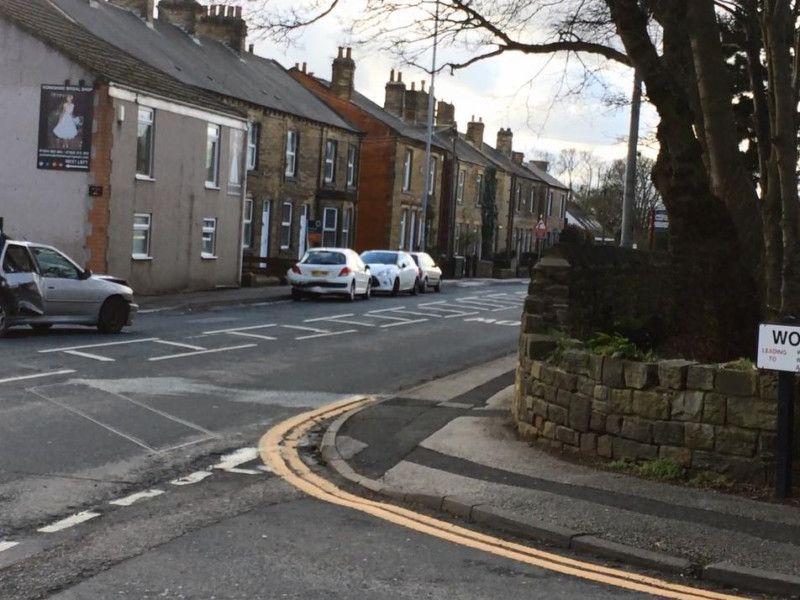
x: 393, y: 271
x: 330, y: 271
x: 41, y: 287
x: 430, y: 273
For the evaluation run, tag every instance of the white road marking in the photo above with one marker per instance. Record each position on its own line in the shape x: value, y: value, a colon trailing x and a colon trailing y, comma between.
x: 148, y: 311
x: 166, y: 415
x: 128, y: 500
x: 460, y: 405
x: 383, y: 310
x: 403, y: 323
x: 230, y: 462
x: 80, y: 413
x: 328, y: 318
x: 326, y: 334
x: 257, y: 336
x: 191, y: 478
x: 4, y: 545
x: 388, y: 317
x: 37, y: 375
x: 231, y: 329
x: 349, y: 322
x: 491, y: 304
x: 199, y: 352
x: 301, y: 328
x: 179, y: 345
x: 419, y: 314
x: 87, y: 355
x: 448, y: 308
x: 105, y: 345
x: 466, y: 314
x: 77, y: 519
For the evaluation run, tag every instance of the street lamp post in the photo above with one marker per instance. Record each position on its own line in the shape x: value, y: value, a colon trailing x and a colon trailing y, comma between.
x: 626, y: 236
x: 429, y: 138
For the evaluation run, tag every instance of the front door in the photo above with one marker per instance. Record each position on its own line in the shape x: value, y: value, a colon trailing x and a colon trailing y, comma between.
x: 23, y: 280
x: 264, y: 249
x: 65, y: 292
x: 303, y: 241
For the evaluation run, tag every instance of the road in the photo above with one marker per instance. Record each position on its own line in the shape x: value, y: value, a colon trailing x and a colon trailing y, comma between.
x: 129, y: 468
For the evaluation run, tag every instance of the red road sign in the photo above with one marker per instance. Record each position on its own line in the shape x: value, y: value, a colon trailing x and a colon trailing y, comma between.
x: 541, y: 230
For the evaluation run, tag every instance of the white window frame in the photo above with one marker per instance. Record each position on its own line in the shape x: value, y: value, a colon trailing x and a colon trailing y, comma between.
x: 519, y: 198
x: 149, y: 120
x: 408, y: 161
x: 209, y: 230
x: 462, y: 176
x: 457, y: 238
x: 351, y: 165
x: 247, y: 223
x: 146, y: 227
x: 432, y: 177
x: 253, y: 131
x: 291, y: 153
x: 479, y: 189
x: 236, y: 162
x: 331, y: 150
x: 549, y: 203
x: 286, y: 226
x: 530, y: 200
x: 347, y: 218
x: 325, y: 228
x: 403, y: 220
x: 213, y: 137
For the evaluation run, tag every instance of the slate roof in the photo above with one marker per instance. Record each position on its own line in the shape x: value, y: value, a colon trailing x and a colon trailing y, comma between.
x: 42, y: 20
x: 202, y: 62
x: 508, y: 165
x: 578, y: 216
x: 545, y: 176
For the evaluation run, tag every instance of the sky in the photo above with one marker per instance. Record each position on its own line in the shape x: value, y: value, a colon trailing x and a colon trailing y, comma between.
x: 513, y: 90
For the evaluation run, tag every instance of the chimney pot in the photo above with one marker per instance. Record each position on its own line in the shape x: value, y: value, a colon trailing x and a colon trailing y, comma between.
x: 399, y: 76
x: 422, y: 85
x: 238, y: 12
x: 231, y: 11
x: 391, y: 75
x: 349, y: 53
x: 341, y: 50
x: 304, y: 67
x: 251, y: 49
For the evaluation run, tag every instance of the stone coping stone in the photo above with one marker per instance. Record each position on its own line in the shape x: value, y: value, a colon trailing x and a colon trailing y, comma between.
x: 630, y: 554
x: 786, y: 586
x: 503, y: 520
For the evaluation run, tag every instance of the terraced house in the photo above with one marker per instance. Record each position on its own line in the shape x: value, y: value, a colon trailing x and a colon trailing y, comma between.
x: 299, y: 155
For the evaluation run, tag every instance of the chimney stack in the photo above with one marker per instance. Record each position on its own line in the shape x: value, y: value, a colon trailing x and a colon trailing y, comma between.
x: 416, y: 105
x: 505, y: 142
x: 146, y: 9
x: 518, y: 157
x: 215, y: 22
x: 542, y: 164
x: 445, y: 114
x: 343, y: 73
x: 475, y: 132
x: 394, y: 102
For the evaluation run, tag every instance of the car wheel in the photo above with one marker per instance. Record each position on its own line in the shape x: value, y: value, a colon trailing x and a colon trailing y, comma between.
x: 423, y: 287
x: 41, y: 327
x: 396, y: 287
x: 352, y: 295
x: 368, y: 294
x: 297, y: 295
x: 3, y: 318
x: 438, y: 287
x: 113, y: 315
x: 415, y: 288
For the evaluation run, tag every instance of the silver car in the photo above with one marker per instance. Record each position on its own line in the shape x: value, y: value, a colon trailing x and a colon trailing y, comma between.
x: 431, y: 273
x: 42, y: 287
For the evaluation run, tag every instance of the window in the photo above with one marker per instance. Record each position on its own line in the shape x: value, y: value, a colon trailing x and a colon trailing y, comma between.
x: 351, y: 166
x: 144, y: 143
x: 247, y: 220
x: 209, y: 238
x: 530, y: 200
x: 412, y: 231
x: 17, y: 260
x: 235, y: 171
x: 479, y: 190
x: 549, y: 202
x: 286, y: 225
x: 212, y: 155
x: 407, y: 162
x: 141, y: 235
x: 403, y: 219
x: 432, y: 177
x: 54, y: 264
x: 329, y: 219
x: 253, y: 135
x: 347, y: 219
x: 331, y: 147
x: 462, y: 175
x: 457, y: 238
x: 519, y: 198
x: 291, y: 154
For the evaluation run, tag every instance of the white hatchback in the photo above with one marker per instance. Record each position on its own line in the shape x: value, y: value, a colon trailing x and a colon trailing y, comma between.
x: 431, y: 272
x: 324, y: 271
x: 392, y: 271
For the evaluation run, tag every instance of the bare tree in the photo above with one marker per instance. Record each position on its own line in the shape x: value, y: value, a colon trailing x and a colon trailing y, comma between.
x: 566, y: 164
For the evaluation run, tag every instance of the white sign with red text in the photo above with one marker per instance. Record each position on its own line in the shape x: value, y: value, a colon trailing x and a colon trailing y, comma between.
x: 779, y: 348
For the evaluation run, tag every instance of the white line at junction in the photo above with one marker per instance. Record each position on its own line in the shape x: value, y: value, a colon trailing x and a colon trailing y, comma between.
x: 326, y: 334
x: 233, y: 329
x: 81, y: 517
x: 37, y: 375
x: 104, y: 345
x: 199, y: 352
x: 96, y: 357
x: 4, y: 545
x: 128, y: 500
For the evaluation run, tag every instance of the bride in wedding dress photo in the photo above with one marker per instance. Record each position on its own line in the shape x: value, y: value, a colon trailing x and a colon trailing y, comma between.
x: 66, y: 129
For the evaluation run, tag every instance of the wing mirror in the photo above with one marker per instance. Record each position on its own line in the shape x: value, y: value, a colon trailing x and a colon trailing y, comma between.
x: 86, y: 274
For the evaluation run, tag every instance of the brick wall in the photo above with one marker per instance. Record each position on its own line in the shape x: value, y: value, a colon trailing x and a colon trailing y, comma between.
x: 102, y: 140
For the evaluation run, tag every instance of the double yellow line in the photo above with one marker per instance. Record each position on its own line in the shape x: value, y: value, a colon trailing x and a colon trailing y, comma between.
x: 278, y: 448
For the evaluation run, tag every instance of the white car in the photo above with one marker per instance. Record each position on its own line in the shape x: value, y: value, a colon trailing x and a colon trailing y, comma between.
x: 392, y: 271
x: 42, y: 287
x: 431, y: 273
x: 330, y: 271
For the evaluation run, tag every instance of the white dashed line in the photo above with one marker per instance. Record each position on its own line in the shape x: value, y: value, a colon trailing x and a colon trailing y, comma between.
x: 248, y: 334
x: 329, y: 318
x: 326, y: 334
x: 199, y: 352
x: 37, y: 375
x: 407, y: 322
x: 81, y: 517
x: 128, y: 500
x: 4, y: 545
x: 179, y: 345
x: 87, y: 355
x: 237, y: 329
x: 105, y: 345
x: 191, y: 478
x: 230, y: 462
x: 301, y: 328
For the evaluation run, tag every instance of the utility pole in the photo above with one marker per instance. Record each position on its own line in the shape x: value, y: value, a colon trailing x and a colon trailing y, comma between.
x: 429, y: 138
x: 626, y: 237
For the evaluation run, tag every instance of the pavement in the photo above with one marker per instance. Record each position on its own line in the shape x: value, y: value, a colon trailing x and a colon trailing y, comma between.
x: 449, y: 446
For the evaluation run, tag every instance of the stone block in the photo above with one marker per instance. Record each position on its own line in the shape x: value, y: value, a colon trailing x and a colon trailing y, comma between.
x: 549, y: 430
x: 538, y: 421
x: 534, y: 322
x: 570, y: 450
x: 714, y: 408
x: 557, y: 414
x: 651, y: 405
x: 589, y: 444
x: 614, y: 424
x: 564, y: 398
x: 613, y: 372
x: 752, y: 413
x: 736, y: 441
x: 537, y: 389
x: 556, y: 446
x: 580, y: 411
x: 732, y: 382
x: 672, y: 373
x: 539, y: 347
x: 622, y: 401
x: 586, y: 385
x: 596, y: 367
x: 526, y: 432
x: 549, y: 392
x: 539, y: 407
x: 631, y: 450
x: 678, y: 455
x: 536, y: 369
x: 669, y: 433
x: 698, y: 436
x: 575, y: 361
x: 547, y: 374
x: 567, y: 436
x: 640, y: 375
x: 768, y: 385
x: 566, y: 381
x: 687, y: 406
x: 601, y: 407
x: 604, y: 446
x: 602, y: 393
x: 597, y: 422
x: 700, y: 377
x: 634, y: 428
x: 737, y: 468
x: 767, y: 444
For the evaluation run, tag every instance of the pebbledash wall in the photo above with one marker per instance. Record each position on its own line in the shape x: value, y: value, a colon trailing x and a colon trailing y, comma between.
x: 703, y: 417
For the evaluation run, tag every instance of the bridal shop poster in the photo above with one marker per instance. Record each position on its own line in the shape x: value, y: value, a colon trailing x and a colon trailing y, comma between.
x: 65, y: 128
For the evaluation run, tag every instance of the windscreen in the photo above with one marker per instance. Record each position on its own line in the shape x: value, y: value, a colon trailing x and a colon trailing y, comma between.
x: 322, y: 257
x: 379, y: 258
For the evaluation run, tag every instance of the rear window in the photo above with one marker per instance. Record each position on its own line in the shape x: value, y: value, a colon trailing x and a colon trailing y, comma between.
x: 380, y: 258
x: 321, y: 257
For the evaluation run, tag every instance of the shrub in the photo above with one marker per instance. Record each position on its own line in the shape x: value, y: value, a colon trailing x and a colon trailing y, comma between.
x: 618, y: 346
